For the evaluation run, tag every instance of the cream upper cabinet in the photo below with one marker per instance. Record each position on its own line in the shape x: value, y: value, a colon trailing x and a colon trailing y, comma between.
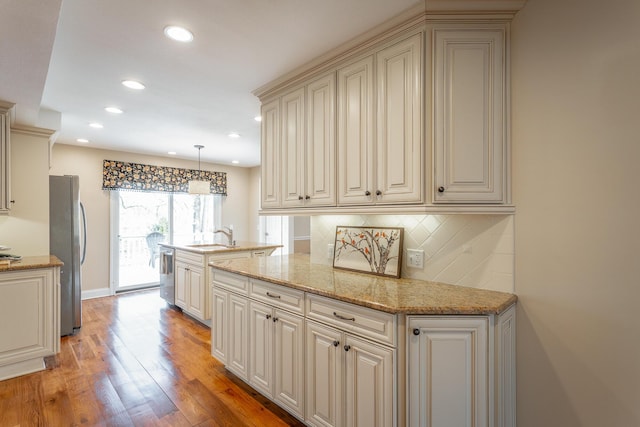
x: 400, y: 153
x: 270, y: 155
x: 380, y: 153
x: 5, y: 157
x: 308, y: 144
x: 470, y: 114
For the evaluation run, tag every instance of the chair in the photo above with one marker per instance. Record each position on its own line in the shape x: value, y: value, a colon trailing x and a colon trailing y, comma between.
x: 152, y: 243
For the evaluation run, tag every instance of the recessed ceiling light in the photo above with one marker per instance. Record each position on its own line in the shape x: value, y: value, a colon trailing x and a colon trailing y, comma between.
x: 178, y: 33
x: 132, y: 84
x: 96, y: 125
x: 258, y: 118
x: 114, y: 110
x: 234, y: 135
x: 83, y: 140
x: 235, y: 162
x: 172, y: 153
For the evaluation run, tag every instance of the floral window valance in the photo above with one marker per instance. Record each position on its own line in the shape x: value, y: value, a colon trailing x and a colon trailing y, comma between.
x: 139, y: 177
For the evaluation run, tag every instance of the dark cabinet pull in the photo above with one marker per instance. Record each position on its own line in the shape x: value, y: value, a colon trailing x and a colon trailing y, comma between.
x: 353, y: 319
x: 416, y: 331
x: 367, y: 193
x: 347, y: 347
x: 440, y: 189
x: 307, y: 197
x: 273, y: 296
x: 268, y: 316
x: 378, y: 193
x: 336, y: 343
x: 299, y: 197
x: 275, y: 319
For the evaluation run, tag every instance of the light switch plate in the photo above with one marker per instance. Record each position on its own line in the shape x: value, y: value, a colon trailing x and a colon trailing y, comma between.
x: 415, y: 258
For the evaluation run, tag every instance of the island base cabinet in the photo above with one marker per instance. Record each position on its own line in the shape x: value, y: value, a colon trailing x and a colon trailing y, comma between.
x: 230, y: 331
x: 448, y: 372
x: 349, y: 380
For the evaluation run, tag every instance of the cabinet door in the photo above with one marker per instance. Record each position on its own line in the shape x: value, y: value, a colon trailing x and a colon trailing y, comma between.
x: 289, y: 361
x: 238, y: 326
x: 270, y: 155
x: 196, y: 294
x: 292, y: 140
x: 5, y: 158
x: 447, y: 371
x: 219, y: 325
x: 182, y: 283
x: 469, y: 126
x: 370, y: 386
x: 355, y: 133
x: 260, y: 348
x: 399, y: 175
x: 324, y: 375
x: 320, y: 187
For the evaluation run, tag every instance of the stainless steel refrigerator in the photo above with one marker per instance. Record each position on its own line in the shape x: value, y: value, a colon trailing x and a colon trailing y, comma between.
x: 68, y: 241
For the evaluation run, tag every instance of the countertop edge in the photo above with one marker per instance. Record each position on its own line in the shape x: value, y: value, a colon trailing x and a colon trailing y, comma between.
x: 32, y: 263
x: 434, y: 310
x: 243, y: 246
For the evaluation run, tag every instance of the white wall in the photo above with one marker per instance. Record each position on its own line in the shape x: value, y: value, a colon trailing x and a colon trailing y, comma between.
x: 576, y: 172
x: 26, y: 229
x: 87, y: 163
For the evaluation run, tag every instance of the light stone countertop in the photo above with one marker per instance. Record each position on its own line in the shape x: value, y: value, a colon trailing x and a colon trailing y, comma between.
x: 32, y: 262
x: 211, y: 248
x: 407, y: 296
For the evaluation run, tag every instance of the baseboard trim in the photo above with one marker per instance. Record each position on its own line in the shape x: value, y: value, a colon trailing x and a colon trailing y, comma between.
x: 96, y: 293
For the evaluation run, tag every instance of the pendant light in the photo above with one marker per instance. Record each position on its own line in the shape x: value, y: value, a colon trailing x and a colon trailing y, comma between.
x: 198, y: 186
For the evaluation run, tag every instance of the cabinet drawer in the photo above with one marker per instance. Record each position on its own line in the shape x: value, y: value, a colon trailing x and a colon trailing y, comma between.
x: 231, y: 282
x: 366, y: 322
x: 278, y: 296
x: 190, y: 257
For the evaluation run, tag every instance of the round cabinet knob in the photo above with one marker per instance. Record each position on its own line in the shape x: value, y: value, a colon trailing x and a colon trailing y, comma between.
x: 347, y: 347
x: 367, y: 193
x: 440, y: 189
x: 378, y: 193
x: 336, y: 343
x: 299, y: 197
x: 416, y: 331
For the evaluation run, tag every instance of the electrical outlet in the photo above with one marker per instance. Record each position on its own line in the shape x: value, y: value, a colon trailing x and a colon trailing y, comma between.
x: 415, y: 258
x: 330, y: 251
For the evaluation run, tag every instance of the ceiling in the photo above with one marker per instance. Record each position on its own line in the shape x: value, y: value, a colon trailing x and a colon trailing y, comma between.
x: 63, y: 62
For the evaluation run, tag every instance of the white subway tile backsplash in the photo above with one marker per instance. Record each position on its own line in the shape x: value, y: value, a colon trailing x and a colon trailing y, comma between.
x: 468, y: 250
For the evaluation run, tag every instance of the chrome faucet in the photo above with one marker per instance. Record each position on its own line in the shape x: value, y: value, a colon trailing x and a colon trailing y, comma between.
x: 229, y: 234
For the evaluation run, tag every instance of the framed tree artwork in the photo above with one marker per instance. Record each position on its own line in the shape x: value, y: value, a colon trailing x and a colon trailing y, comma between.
x: 374, y: 250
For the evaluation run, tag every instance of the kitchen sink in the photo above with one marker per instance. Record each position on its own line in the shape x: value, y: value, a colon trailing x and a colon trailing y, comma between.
x: 209, y: 246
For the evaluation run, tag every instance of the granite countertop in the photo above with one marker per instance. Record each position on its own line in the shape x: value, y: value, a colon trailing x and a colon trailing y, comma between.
x: 31, y: 262
x: 209, y: 248
x: 407, y: 296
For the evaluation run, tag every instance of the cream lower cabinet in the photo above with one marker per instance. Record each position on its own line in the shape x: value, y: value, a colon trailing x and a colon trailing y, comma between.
x: 30, y: 319
x: 461, y: 371
x: 276, y: 361
x: 350, y: 380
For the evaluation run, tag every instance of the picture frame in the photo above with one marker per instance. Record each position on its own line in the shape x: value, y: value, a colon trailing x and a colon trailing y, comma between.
x: 372, y: 250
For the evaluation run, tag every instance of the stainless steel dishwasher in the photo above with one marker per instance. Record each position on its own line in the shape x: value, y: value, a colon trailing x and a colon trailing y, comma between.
x: 167, y: 276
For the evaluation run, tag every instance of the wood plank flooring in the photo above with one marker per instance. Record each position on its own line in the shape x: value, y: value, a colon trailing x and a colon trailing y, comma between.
x: 135, y: 362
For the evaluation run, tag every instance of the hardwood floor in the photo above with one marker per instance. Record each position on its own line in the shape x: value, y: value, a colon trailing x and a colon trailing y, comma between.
x: 135, y: 362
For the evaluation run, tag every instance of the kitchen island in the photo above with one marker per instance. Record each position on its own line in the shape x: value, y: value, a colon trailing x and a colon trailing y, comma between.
x: 191, y: 274
x: 29, y: 314
x: 335, y: 347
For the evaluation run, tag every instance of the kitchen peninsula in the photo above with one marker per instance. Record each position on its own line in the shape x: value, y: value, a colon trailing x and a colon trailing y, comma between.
x: 30, y: 310
x: 395, y: 351
x: 191, y: 275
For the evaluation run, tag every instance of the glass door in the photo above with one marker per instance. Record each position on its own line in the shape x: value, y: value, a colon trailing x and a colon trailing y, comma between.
x: 143, y: 221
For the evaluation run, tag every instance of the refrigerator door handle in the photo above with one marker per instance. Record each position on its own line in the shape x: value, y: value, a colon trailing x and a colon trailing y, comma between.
x: 84, y: 233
